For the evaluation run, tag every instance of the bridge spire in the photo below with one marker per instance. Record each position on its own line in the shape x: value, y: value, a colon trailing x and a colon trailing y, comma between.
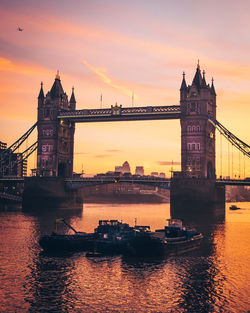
x: 212, y: 88
x: 183, y: 84
x: 57, y: 90
x: 41, y: 94
x: 203, y: 79
x: 72, y: 100
x: 197, y: 80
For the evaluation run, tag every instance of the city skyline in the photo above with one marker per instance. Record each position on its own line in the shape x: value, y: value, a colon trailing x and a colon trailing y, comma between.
x: 131, y: 53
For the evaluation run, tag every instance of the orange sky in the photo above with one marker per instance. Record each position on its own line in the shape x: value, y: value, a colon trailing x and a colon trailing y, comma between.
x: 115, y: 48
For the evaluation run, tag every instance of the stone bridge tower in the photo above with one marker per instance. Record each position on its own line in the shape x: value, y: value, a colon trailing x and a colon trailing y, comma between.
x: 197, y: 102
x: 194, y: 189
x: 55, y: 137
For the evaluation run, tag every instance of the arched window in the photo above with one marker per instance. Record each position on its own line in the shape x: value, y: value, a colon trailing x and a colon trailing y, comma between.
x: 189, y: 128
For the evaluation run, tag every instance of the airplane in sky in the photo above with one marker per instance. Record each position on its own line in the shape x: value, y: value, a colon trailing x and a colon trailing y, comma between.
x: 19, y: 29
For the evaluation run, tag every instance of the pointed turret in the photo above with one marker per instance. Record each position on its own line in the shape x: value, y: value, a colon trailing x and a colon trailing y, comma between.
x: 41, y: 94
x: 72, y: 98
x: 183, y: 84
x: 57, y: 89
x: 203, y: 83
x: 197, y: 81
x: 212, y: 88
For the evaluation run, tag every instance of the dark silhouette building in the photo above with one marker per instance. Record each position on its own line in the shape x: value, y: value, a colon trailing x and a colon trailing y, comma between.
x: 13, y: 164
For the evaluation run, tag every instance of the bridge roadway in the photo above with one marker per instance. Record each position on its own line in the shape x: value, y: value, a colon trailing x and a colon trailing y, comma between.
x: 88, y: 181
x: 118, y: 113
x: 146, y: 180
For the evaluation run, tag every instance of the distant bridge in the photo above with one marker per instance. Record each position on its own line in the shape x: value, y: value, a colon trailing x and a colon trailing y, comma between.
x: 75, y: 183
x: 164, y: 183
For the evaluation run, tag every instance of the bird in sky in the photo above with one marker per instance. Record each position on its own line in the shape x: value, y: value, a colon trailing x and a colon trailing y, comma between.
x: 19, y: 29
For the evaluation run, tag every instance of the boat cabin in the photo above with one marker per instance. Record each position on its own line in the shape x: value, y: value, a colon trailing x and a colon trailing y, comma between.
x: 174, y: 223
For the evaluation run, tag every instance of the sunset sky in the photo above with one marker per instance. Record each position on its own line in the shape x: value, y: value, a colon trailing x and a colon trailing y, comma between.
x: 115, y: 48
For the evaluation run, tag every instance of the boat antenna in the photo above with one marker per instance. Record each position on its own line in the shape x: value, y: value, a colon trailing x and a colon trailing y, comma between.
x: 135, y: 221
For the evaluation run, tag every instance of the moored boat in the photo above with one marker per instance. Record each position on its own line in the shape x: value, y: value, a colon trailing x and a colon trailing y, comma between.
x: 108, y: 237
x: 234, y: 207
x: 173, y: 239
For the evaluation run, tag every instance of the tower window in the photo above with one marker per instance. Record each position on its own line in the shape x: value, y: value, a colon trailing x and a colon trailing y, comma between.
x: 193, y: 146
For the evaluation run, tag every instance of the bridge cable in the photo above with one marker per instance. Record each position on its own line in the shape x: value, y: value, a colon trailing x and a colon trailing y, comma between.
x: 23, y: 157
x: 239, y: 144
x: 239, y: 165
x: 244, y: 172
x: 228, y: 157
x: 17, y: 143
x: 232, y: 162
x: 220, y: 155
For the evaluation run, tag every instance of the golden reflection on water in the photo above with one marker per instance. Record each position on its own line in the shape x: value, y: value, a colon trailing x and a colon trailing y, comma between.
x: 232, y: 255
x: 154, y: 215
x: 214, y: 278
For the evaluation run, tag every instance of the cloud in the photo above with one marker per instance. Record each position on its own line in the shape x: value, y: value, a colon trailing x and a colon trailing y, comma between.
x: 114, y: 150
x: 22, y: 68
x: 108, y: 80
x: 168, y: 163
x: 101, y: 156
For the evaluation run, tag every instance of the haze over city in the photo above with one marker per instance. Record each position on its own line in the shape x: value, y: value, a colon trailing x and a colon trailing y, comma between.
x: 130, y: 53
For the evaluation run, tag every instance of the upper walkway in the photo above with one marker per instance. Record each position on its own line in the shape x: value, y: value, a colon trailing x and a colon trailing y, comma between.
x: 118, y: 113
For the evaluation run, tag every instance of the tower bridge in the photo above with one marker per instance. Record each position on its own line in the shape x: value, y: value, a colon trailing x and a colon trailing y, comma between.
x: 57, y: 117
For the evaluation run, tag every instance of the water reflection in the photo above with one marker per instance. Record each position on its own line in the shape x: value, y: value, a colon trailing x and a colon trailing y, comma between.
x: 210, y: 279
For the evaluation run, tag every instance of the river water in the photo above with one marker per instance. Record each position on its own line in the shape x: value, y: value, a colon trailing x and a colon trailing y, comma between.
x: 214, y: 278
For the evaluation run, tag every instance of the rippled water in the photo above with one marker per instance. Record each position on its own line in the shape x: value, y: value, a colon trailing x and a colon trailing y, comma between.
x: 214, y: 278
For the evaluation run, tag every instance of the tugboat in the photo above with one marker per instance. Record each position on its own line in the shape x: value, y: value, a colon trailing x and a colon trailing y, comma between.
x: 109, y: 237
x: 173, y: 239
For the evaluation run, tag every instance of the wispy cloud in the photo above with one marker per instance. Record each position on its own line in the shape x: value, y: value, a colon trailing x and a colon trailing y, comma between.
x: 108, y: 80
x: 22, y: 68
x: 114, y: 150
x: 102, y: 156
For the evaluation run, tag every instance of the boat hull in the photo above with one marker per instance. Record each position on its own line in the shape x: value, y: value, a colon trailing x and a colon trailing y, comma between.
x: 151, y: 247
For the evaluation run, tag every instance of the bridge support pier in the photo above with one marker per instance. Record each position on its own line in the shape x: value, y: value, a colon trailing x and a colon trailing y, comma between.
x: 42, y: 193
x: 196, y: 194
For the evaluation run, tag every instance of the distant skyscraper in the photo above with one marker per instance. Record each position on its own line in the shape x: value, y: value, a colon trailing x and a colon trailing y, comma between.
x: 139, y: 170
x: 162, y: 175
x: 118, y: 169
x: 154, y: 174
x: 3, y: 145
x: 13, y: 165
x: 125, y: 167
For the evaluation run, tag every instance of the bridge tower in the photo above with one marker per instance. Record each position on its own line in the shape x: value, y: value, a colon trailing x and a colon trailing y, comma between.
x: 55, y: 137
x: 195, y: 186
x: 197, y: 102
